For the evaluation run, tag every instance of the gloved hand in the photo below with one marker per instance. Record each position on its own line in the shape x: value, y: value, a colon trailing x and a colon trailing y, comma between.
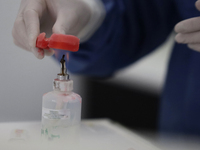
x: 69, y: 17
x: 189, y: 31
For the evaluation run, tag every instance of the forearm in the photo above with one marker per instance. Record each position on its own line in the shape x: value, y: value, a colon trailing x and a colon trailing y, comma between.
x: 130, y: 30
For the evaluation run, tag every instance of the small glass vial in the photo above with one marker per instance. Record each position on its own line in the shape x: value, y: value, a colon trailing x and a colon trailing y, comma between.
x: 61, y: 111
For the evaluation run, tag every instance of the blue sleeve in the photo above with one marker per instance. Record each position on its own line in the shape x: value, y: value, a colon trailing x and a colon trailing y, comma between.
x: 131, y: 29
x: 186, y: 9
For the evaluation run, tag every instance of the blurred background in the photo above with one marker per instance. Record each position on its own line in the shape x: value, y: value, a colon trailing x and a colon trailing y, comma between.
x: 130, y: 98
x: 24, y: 79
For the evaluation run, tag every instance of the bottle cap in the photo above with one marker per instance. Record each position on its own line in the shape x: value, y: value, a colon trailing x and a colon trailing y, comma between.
x: 63, y: 85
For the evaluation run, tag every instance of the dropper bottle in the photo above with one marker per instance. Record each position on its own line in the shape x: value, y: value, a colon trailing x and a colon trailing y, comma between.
x: 61, y: 110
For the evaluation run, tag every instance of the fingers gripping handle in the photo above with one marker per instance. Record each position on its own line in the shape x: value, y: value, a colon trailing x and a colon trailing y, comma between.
x: 58, y: 41
x: 42, y: 42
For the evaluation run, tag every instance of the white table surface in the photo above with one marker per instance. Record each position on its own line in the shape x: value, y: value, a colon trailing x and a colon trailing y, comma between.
x: 100, y: 134
x: 95, y: 135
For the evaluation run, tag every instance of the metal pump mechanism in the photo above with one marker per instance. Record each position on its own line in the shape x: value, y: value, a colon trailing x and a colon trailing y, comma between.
x: 63, y: 83
x: 63, y: 73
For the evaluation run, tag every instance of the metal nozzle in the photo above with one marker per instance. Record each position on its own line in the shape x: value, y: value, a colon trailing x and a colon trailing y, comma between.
x: 63, y: 66
x: 63, y: 73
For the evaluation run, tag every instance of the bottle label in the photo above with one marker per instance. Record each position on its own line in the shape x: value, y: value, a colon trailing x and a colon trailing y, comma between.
x: 63, y: 114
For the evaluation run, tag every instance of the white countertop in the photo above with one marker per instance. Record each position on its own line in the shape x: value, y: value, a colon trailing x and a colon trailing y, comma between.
x: 100, y: 134
x: 95, y: 135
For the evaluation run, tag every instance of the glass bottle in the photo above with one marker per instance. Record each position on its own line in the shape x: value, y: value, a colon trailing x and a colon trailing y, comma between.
x: 61, y: 111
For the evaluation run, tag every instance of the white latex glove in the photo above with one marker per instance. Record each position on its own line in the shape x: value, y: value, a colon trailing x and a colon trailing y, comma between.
x: 75, y: 17
x: 189, y: 31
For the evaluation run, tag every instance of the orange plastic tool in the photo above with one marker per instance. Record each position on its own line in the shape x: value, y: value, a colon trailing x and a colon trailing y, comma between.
x: 58, y: 41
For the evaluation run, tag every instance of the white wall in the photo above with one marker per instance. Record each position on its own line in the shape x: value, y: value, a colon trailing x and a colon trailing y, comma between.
x: 23, y: 78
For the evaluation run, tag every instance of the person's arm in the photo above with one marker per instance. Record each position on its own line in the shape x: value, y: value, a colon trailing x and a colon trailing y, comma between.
x: 130, y: 30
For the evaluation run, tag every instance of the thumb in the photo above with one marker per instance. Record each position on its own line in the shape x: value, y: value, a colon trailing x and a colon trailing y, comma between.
x: 67, y: 22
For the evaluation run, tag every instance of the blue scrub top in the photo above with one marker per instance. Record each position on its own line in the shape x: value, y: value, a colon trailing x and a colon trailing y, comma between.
x: 131, y: 30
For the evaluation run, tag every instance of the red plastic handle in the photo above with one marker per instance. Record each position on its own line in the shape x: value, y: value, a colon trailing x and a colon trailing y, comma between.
x: 58, y: 41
